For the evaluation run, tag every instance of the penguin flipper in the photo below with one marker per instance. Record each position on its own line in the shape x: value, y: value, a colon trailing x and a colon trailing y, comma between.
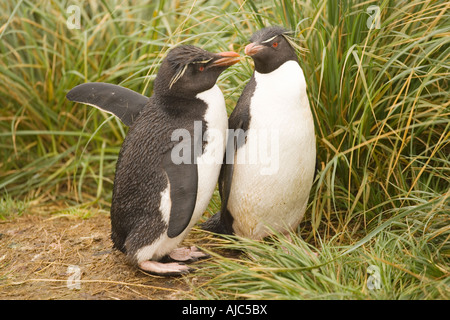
x: 124, y: 103
x: 222, y: 221
x: 183, y: 179
x: 239, y: 122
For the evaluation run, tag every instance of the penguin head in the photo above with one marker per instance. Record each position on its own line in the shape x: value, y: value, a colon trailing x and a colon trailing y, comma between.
x: 270, y: 48
x: 188, y: 70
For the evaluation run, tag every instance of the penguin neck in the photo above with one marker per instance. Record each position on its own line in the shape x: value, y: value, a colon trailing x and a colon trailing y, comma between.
x: 264, y: 66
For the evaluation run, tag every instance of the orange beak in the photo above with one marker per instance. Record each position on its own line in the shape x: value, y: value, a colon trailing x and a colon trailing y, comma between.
x: 228, y: 59
x: 253, y: 48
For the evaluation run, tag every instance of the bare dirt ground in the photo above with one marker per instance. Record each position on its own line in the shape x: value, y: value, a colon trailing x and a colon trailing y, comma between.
x: 68, y: 257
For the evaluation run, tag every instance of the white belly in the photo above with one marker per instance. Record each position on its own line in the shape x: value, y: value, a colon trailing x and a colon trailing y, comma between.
x: 208, y: 168
x: 270, y: 188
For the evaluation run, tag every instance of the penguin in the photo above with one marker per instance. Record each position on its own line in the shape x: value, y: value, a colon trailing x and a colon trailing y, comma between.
x: 270, y: 160
x: 170, y: 160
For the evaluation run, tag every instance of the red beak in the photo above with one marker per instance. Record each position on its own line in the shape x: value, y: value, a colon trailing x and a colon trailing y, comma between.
x: 253, y: 48
x: 228, y: 59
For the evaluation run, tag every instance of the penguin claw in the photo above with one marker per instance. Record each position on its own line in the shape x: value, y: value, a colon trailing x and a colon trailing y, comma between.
x: 185, y: 254
x: 164, y: 269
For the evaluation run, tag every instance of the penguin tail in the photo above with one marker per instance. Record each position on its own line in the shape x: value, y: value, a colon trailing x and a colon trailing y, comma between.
x: 215, y: 224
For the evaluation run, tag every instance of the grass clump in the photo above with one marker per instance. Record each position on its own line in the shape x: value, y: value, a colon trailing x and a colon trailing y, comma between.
x: 10, y: 208
x: 411, y: 258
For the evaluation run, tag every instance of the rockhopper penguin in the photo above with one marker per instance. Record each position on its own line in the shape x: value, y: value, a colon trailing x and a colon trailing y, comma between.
x: 259, y: 193
x: 170, y: 160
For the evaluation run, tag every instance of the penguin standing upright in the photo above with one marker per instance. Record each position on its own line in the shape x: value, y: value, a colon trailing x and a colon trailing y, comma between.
x: 269, y: 169
x: 170, y: 160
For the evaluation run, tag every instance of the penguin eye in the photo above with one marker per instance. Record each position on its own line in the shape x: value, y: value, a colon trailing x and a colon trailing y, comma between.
x: 275, y: 44
x: 201, y: 68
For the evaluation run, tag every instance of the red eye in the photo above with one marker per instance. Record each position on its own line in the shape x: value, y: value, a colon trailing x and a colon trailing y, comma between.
x: 201, y: 68
x: 275, y: 44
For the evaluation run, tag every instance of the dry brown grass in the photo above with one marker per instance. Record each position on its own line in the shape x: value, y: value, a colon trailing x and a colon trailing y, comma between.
x: 36, y: 251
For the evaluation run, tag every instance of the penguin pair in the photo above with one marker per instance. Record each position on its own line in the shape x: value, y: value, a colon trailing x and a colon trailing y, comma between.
x: 164, y: 174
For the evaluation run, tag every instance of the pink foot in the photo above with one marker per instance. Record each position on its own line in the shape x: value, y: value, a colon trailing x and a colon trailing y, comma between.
x: 164, y: 269
x: 187, y: 254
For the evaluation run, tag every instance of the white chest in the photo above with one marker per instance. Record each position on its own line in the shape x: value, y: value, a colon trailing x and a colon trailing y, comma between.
x: 280, y: 99
x: 209, y: 163
x: 274, y: 169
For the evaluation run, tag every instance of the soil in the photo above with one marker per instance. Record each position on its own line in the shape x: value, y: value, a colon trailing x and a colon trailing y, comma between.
x: 69, y: 257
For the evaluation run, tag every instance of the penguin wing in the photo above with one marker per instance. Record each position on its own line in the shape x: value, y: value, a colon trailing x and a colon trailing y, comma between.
x: 234, y: 140
x: 239, y: 122
x: 183, y: 179
x: 124, y: 103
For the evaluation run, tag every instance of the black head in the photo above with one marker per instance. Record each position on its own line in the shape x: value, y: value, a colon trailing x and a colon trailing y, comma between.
x: 270, y: 48
x: 188, y: 70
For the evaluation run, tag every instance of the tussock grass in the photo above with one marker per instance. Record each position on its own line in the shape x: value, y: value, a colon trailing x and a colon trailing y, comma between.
x: 410, y: 254
x: 51, y: 144
x: 381, y: 104
x: 380, y: 99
